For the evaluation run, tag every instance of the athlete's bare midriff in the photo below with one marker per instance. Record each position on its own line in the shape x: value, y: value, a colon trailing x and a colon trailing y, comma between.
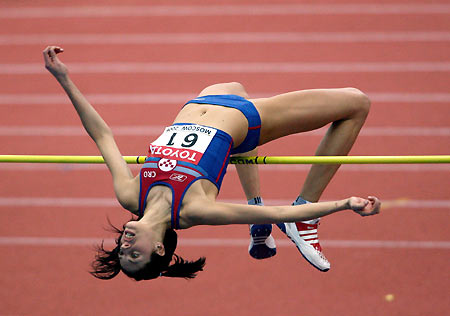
x: 229, y: 120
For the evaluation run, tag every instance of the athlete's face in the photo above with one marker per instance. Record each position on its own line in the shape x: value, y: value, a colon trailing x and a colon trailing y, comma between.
x: 136, y: 246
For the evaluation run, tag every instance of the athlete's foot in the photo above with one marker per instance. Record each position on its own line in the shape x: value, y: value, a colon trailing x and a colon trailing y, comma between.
x: 304, y: 236
x: 262, y: 244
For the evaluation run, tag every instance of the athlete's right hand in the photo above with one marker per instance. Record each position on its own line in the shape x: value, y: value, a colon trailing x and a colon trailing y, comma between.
x: 52, y: 62
x: 365, y: 207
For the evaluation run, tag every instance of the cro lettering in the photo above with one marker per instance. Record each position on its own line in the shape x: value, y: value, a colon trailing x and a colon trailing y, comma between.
x: 149, y: 174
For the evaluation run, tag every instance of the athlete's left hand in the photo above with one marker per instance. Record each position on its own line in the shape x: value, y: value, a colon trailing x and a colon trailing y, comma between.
x: 52, y: 62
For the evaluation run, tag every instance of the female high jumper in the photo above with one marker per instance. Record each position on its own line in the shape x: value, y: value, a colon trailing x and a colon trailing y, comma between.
x: 180, y: 180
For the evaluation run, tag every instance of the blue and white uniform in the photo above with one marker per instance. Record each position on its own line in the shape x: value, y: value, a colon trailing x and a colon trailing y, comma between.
x: 185, y: 153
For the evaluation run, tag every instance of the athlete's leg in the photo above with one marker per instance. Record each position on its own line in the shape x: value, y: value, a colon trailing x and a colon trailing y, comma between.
x: 262, y: 244
x: 306, y: 110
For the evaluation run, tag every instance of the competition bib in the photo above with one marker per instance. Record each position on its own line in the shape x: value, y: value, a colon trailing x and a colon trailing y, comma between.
x: 183, y: 142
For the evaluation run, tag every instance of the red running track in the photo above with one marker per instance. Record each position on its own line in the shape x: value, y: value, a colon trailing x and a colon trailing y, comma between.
x: 51, y: 215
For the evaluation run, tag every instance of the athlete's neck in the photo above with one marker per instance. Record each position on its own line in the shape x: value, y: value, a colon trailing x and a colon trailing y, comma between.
x: 158, y: 210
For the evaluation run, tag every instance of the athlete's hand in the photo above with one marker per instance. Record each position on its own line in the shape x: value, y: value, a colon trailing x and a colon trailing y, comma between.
x: 52, y: 62
x: 365, y: 207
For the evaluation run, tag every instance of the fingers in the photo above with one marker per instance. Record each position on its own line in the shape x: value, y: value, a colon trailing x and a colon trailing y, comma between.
x: 376, y: 204
x: 52, y: 63
x: 373, y: 207
x: 366, y: 207
x: 51, y: 51
x: 359, y: 203
x: 58, y: 50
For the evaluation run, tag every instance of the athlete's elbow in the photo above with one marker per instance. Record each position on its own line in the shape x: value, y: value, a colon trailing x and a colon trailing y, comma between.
x: 104, y: 132
x: 125, y: 196
x: 127, y: 204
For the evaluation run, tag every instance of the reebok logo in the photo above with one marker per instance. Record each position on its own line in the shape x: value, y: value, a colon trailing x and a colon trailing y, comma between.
x: 177, y: 177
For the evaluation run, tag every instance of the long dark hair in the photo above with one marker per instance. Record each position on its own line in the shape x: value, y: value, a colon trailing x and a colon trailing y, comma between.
x: 107, y: 264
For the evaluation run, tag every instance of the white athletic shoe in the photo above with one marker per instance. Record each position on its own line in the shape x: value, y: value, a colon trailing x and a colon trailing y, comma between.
x: 304, y: 236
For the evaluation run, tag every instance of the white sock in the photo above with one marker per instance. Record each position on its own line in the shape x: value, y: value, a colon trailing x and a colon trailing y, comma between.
x: 256, y: 201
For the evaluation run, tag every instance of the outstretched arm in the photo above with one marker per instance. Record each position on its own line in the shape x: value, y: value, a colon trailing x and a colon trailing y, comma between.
x: 215, y: 213
x: 97, y: 129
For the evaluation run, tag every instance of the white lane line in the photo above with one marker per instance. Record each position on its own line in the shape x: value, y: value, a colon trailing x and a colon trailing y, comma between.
x: 247, y: 67
x: 223, y: 38
x: 386, y: 244
x: 263, y: 168
x: 58, y: 202
x: 226, y: 242
x: 222, y: 10
x: 77, y: 131
x: 149, y: 131
x: 99, y: 98
x: 112, y: 202
x: 179, y: 98
x: 398, y: 131
x: 410, y: 97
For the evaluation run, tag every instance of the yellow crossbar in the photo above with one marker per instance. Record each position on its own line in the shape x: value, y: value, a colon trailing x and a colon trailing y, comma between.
x: 341, y: 159
x: 431, y: 159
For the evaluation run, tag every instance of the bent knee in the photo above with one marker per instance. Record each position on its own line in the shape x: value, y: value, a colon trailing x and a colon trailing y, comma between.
x: 360, y: 101
x: 235, y: 88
